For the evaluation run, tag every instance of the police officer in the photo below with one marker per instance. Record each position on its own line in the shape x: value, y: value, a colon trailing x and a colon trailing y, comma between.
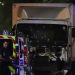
x: 4, y: 59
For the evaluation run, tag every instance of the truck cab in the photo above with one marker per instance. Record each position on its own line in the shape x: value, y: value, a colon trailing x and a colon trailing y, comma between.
x: 46, y: 29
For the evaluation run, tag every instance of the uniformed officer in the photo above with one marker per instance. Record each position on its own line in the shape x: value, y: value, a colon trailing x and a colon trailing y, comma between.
x: 4, y: 59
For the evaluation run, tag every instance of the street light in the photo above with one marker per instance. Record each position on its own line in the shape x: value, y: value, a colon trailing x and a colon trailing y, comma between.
x: 1, y: 3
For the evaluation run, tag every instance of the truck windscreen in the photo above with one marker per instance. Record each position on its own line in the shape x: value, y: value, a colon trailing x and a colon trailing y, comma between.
x: 45, y: 34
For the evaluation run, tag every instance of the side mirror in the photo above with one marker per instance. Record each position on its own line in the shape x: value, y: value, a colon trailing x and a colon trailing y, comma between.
x: 73, y: 32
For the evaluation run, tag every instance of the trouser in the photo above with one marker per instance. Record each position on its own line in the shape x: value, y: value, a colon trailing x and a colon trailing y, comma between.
x: 4, y: 70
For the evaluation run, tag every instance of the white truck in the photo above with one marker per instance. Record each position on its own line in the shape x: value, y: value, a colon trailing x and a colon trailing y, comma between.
x: 46, y: 25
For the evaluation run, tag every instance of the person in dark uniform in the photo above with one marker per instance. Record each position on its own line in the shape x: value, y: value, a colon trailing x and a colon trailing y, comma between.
x: 5, y: 59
